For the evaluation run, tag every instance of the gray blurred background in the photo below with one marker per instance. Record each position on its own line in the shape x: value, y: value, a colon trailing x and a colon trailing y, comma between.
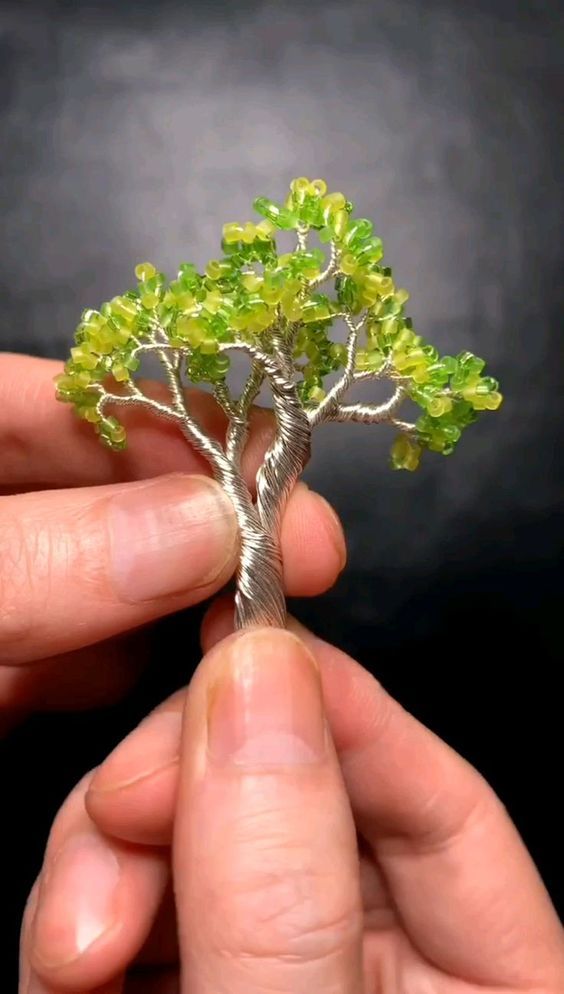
x: 134, y: 130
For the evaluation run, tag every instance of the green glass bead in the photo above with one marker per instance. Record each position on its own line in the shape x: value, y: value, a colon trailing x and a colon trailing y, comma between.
x: 487, y: 384
x: 370, y: 251
x: 357, y: 230
x: 280, y: 216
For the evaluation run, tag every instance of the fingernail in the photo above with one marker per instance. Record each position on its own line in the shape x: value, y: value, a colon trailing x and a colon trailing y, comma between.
x: 36, y: 986
x: 77, y: 900
x: 171, y: 535
x: 153, y: 746
x: 266, y: 708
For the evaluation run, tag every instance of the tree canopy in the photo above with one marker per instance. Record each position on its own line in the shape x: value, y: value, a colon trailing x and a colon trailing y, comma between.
x: 254, y: 298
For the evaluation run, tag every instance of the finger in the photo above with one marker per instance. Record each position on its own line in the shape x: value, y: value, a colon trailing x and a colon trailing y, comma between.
x: 43, y: 443
x: 95, y: 904
x: 37, y: 986
x: 132, y: 795
x: 436, y: 828
x: 264, y: 840
x: 82, y: 565
x: 93, y: 677
x: 434, y: 825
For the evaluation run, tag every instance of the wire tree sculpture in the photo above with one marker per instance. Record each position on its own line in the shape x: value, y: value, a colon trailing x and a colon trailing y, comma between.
x: 281, y: 311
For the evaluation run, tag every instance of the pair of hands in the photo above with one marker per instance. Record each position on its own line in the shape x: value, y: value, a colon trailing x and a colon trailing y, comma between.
x: 320, y: 838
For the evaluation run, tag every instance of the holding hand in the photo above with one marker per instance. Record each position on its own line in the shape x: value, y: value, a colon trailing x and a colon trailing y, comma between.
x: 91, y: 548
x: 320, y: 839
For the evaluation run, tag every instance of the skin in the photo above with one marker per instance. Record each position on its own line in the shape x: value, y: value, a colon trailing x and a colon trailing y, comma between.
x: 317, y: 837
x: 65, y: 627
x: 386, y: 866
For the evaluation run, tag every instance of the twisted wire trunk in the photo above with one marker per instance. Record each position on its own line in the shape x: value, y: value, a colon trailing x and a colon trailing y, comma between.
x: 260, y: 596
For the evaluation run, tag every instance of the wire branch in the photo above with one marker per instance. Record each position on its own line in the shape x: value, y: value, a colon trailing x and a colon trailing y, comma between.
x: 323, y: 410
x: 329, y: 270
x: 222, y: 395
x: 368, y: 413
x: 238, y: 428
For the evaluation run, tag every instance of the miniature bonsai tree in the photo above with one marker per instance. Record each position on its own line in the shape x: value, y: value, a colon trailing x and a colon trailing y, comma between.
x: 283, y: 312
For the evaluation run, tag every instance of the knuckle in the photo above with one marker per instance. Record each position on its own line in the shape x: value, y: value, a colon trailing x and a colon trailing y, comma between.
x: 289, y: 906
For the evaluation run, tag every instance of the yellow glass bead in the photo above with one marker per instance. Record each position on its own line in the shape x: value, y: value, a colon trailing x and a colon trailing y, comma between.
x: 317, y: 188
x: 386, y: 286
x: 125, y: 308
x: 190, y: 329
x: 83, y: 357
x: 405, y: 453
x: 362, y: 361
x: 149, y: 300
x: 117, y: 435
x: 271, y: 294
x: 185, y: 301
x: 251, y: 281
x: 209, y: 345
x: 331, y: 203
x: 438, y: 406
x: 291, y: 307
x: 232, y: 232
x: 123, y: 335
x: 240, y: 320
x: 348, y: 264
x: 249, y: 233
x: 420, y: 373
x: 299, y: 188
x: 213, y: 301
x: 340, y: 220
x: 92, y: 415
x: 83, y: 378
x: 213, y: 269
x: 144, y: 271
x: 401, y: 296
x: 317, y: 394
x: 265, y: 230
x: 494, y: 400
x: 285, y: 258
x: 120, y: 372
x: 63, y: 381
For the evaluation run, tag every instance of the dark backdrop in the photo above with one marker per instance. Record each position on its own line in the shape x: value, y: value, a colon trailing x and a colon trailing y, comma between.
x: 133, y: 130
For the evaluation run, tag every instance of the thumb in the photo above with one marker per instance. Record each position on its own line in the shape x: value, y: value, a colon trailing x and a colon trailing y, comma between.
x: 265, y: 855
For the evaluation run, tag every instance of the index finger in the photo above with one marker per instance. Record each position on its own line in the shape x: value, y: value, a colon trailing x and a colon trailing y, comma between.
x: 44, y: 444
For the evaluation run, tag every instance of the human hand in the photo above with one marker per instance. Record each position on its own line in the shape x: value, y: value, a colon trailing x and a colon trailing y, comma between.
x: 318, y: 845
x: 92, y: 549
